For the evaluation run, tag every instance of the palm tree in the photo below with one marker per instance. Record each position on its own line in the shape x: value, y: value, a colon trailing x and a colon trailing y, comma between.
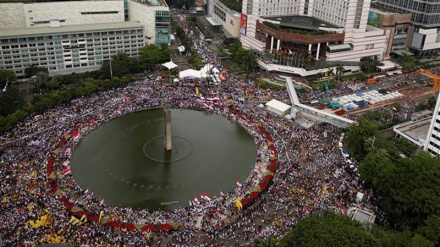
x: 407, y: 61
x: 339, y: 72
x: 369, y: 65
x: 330, y: 72
x: 320, y: 75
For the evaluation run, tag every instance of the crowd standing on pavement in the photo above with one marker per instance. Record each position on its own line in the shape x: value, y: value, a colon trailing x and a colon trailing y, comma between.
x: 312, y: 174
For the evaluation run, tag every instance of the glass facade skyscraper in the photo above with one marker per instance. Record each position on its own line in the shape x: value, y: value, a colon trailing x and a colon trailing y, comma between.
x: 425, y: 13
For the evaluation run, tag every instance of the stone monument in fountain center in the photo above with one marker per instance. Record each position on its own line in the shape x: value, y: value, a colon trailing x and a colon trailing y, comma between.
x: 167, y: 122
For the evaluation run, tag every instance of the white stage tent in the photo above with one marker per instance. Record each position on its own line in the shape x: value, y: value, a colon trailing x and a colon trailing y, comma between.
x: 278, y: 107
x: 202, y: 73
x: 205, y: 71
x: 189, y: 74
x: 215, y: 71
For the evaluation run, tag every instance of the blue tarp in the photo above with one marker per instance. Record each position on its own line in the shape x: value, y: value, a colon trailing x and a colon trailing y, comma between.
x: 345, y: 151
x: 360, y: 94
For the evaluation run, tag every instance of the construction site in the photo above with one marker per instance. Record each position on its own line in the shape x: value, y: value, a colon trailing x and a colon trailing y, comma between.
x: 411, y: 88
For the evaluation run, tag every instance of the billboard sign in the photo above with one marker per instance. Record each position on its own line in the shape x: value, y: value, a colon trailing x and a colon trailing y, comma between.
x: 243, y: 24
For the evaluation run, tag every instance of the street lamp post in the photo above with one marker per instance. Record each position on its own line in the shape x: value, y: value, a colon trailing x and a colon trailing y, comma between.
x: 111, y: 70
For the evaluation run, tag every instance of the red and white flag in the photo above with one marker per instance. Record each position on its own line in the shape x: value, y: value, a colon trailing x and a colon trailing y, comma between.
x: 66, y: 171
x: 202, y: 196
x: 207, y: 106
x: 76, y: 135
x: 238, y: 182
x: 208, y: 197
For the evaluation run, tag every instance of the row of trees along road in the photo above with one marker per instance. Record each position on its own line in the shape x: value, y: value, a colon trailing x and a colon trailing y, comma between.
x: 405, y: 182
x: 50, y: 91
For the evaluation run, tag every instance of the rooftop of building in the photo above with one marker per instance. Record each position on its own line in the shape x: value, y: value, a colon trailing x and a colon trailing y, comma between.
x: 152, y: 2
x: 414, y: 131
x: 378, y: 6
x: 301, y: 22
x: 68, y: 29
x: 43, y: 1
x: 146, y: 2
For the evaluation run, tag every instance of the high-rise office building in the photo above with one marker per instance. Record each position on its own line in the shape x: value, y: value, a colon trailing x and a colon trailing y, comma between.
x: 424, y: 33
x: 334, y: 30
x: 77, y: 36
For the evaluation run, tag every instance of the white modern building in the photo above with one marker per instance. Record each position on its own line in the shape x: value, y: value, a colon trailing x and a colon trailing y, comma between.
x: 334, y: 30
x: 432, y: 144
x: 77, y: 36
x: 227, y: 19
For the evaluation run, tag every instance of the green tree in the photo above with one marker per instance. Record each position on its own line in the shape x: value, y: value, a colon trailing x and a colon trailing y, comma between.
x: 376, y: 166
x: 165, y: 52
x: 54, y: 82
x: 339, y: 72
x: 269, y: 242
x: 244, y: 59
x: 41, y: 79
x: 330, y: 72
x: 431, y: 229
x: 405, y: 238
x: 196, y: 60
x: 319, y: 76
x: 357, y: 136
x: 34, y: 70
x: 151, y: 55
x: 407, y: 190
x: 11, y: 100
x: 121, y: 64
x: 328, y: 230
x: 431, y: 102
x: 369, y: 65
x: 407, y: 61
x: 183, y: 4
x: 7, y: 76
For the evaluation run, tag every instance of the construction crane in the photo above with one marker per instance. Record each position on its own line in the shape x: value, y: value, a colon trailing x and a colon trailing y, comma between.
x: 333, y: 104
x: 435, y: 78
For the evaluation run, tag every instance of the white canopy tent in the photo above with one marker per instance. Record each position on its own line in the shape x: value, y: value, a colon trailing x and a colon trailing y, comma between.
x: 205, y: 71
x: 387, y: 65
x: 170, y: 65
x: 278, y: 107
x: 181, y: 48
x: 215, y: 71
x: 190, y: 74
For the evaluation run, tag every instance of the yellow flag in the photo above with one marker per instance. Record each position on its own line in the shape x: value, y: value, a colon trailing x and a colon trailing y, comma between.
x: 238, y: 204
x: 74, y: 220
x: 100, y: 216
x: 83, y: 218
x: 197, y: 91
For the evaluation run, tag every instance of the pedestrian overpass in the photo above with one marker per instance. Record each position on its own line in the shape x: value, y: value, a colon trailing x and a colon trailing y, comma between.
x: 303, y: 113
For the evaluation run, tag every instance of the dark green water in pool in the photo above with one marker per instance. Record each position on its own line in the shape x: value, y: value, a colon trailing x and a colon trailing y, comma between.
x: 122, y: 160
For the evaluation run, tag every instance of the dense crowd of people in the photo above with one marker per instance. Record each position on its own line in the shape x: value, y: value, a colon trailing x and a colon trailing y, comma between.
x: 312, y: 174
x: 305, y: 182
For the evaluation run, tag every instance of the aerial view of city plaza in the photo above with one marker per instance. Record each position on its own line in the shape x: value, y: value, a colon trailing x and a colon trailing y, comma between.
x: 219, y: 123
